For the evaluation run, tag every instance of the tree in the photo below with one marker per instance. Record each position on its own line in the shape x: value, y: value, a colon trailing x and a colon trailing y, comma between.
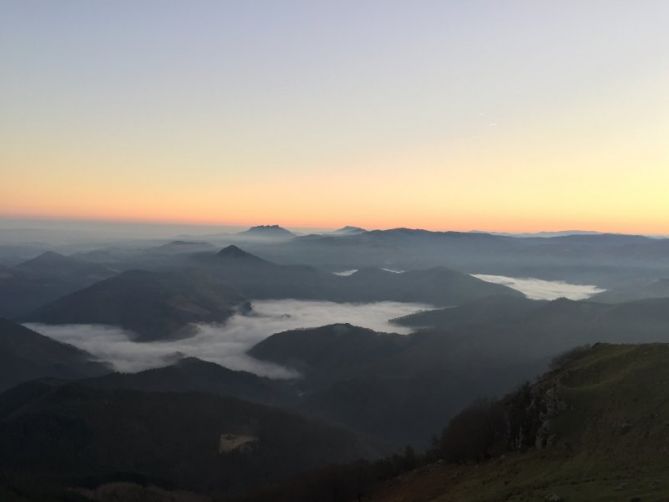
x: 472, y: 434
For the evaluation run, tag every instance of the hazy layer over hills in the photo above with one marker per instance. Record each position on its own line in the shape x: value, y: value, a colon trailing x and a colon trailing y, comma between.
x: 164, y: 304
x: 45, y: 278
x: 347, y: 381
x: 257, y: 278
x: 658, y: 288
x: 390, y: 386
x: 151, y: 305
x: 25, y: 355
x: 532, y: 328
x: 268, y: 232
x: 606, y: 260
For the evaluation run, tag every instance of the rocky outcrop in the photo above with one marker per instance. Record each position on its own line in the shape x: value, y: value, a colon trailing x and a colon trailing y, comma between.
x: 530, y: 414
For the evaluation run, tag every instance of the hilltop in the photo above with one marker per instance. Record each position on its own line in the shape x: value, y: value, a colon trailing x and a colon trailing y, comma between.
x: 238, y: 255
x: 396, y: 388
x: 594, y: 429
x: 268, y: 232
x: 349, y: 230
x: 43, y: 279
x: 153, y: 305
x: 183, y: 246
x: 255, y: 277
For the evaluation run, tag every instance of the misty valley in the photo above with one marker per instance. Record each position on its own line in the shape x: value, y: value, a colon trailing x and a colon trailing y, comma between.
x: 228, y: 343
x: 334, y: 251
x: 346, y: 365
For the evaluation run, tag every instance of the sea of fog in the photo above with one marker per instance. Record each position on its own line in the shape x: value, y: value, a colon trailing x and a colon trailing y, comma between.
x: 539, y: 289
x: 350, y: 272
x: 226, y: 344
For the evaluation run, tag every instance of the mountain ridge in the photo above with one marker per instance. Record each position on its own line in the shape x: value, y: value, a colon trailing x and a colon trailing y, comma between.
x: 153, y: 305
x: 26, y: 355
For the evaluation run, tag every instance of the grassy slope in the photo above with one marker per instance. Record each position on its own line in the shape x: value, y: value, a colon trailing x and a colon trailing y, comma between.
x: 612, y: 441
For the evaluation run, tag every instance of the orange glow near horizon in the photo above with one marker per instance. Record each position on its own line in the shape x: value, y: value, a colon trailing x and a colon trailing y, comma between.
x: 511, y: 181
x: 536, y: 117
x: 658, y: 229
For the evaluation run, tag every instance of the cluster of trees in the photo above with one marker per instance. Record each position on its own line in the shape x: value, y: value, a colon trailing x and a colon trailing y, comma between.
x: 487, y: 429
x: 473, y: 435
x: 481, y: 431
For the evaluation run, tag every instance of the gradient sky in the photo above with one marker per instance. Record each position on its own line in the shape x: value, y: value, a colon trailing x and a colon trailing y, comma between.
x: 461, y: 114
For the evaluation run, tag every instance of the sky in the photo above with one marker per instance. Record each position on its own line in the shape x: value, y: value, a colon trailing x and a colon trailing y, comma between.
x: 452, y: 114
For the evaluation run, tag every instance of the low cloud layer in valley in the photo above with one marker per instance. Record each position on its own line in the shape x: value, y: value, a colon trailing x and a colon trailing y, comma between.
x: 227, y: 343
x: 539, y: 289
x: 347, y: 273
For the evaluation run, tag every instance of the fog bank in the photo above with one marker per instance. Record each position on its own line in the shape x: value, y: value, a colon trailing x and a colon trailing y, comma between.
x: 539, y: 289
x: 226, y: 344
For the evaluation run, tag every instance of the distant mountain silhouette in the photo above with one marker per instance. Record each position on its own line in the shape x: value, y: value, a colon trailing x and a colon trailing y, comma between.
x: 182, y: 246
x: 54, y: 265
x: 254, y: 277
x: 268, y: 232
x: 237, y: 255
x: 492, y: 309
x: 44, y: 278
x: 153, y: 305
x: 654, y: 289
x: 438, y: 286
x: 349, y: 230
x: 610, y: 261
x: 26, y: 355
x: 46, y: 261
x: 601, y: 259
x: 506, y: 328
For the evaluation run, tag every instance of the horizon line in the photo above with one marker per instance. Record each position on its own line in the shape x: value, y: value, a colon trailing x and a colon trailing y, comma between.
x: 175, y: 223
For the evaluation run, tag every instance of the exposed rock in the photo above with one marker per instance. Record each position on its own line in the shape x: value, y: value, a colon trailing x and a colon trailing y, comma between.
x: 532, y: 411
